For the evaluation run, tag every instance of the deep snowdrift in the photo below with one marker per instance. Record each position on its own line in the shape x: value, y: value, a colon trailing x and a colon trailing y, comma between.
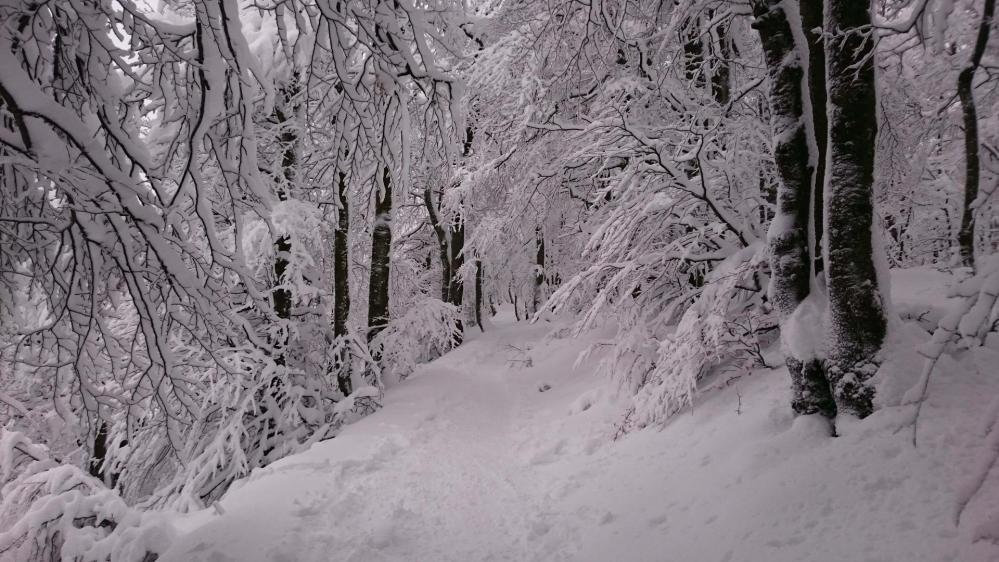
x: 471, y: 460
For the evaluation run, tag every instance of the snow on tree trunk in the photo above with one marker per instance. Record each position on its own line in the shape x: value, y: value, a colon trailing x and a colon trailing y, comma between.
x: 789, y: 240
x: 450, y: 245
x: 856, y: 314
x: 281, y: 295
x: 811, y: 20
x: 456, y: 247
x: 965, y: 85
x: 381, y: 247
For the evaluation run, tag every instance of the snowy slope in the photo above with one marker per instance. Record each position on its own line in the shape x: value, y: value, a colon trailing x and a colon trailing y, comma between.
x: 469, y: 461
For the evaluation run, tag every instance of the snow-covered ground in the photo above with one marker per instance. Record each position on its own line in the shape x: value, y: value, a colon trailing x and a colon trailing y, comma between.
x: 470, y: 460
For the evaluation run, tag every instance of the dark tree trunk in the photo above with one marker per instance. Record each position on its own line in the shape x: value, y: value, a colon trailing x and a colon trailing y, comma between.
x: 456, y: 237
x: 539, y: 269
x: 456, y: 244
x: 693, y: 51
x: 450, y: 247
x: 442, y: 245
x: 281, y: 296
x: 965, y: 83
x: 381, y: 248
x: 789, y: 245
x: 478, y: 294
x: 513, y: 301
x: 811, y: 18
x: 341, y: 281
x: 98, y: 466
x: 856, y: 313
x: 721, y: 76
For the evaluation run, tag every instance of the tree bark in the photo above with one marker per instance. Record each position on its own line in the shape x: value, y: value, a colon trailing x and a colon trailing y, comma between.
x: 539, y: 269
x: 693, y: 51
x: 856, y: 313
x: 381, y: 248
x: 513, y: 301
x: 98, y: 467
x: 450, y: 247
x: 282, y: 297
x: 721, y: 76
x: 478, y: 294
x: 965, y: 84
x: 811, y: 18
x: 442, y: 245
x: 789, y: 241
x: 456, y: 236
x: 341, y: 281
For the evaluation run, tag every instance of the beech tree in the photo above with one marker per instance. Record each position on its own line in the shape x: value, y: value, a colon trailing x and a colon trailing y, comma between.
x: 856, y: 311
x: 797, y: 158
x: 966, y: 233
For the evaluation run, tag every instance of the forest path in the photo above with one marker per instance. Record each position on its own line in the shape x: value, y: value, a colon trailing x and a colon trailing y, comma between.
x: 469, y: 460
x: 454, y: 467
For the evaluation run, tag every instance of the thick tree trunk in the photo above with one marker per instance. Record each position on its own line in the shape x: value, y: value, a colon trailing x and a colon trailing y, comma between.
x: 341, y: 281
x: 965, y: 84
x: 856, y: 313
x: 381, y: 248
x: 789, y: 241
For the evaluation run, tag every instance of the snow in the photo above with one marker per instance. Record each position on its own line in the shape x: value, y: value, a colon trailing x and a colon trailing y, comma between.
x: 921, y: 294
x: 468, y: 460
x: 804, y: 332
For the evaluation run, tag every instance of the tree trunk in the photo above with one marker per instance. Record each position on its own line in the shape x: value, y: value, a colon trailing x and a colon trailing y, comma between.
x: 281, y: 297
x: 513, y: 301
x: 381, y: 248
x: 456, y: 235
x: 442, y: 245
x: 451, y: 247
x: 788, y: 236
x: 693, y: 51
x: 98, y: 467
x: 856, y: 313
x: 341, y: 281
x: 811, y: 18
x: 478, y: 294
x: 539, y: 270
x: 721, y: 76
x: 456, y: 245
x: 965, y: 83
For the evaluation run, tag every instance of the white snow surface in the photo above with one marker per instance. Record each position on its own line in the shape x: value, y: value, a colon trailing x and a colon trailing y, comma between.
x: 469, y: 460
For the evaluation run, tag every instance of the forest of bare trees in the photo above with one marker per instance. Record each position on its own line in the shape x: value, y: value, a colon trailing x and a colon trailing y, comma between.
x: 228, y: 228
